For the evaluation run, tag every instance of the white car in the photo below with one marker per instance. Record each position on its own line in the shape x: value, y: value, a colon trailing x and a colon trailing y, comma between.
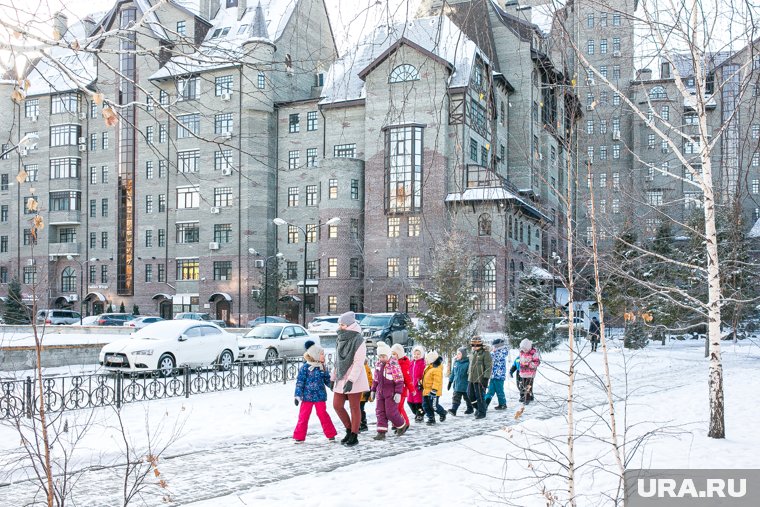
x: 167, y: 344
x: 273, y: 340
x: 325, y: 324
x: 141, y: 322
x: 91, y: 320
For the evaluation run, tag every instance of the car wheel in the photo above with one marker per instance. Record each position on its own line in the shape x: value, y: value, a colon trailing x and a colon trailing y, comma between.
x: 166, y: 365
x: 225, y: 360
x: 271, y: 355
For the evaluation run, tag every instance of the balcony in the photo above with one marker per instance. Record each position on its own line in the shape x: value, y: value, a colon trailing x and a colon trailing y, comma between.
x: 63, y: 249
x: 67, y: 217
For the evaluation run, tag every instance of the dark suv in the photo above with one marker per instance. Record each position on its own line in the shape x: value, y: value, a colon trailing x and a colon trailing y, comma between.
x: 391, y: 328
x: 114, y: 319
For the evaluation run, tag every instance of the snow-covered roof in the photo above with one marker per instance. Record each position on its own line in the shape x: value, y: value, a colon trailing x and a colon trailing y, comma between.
x: 223, y: 45
x: 48, y: 77
x: 437, y: 35
x: 539, y: 274
x: 494, y: 194
x: 755, y: 231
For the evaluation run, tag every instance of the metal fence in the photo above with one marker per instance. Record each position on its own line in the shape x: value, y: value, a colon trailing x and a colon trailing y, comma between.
x: 21, y: 398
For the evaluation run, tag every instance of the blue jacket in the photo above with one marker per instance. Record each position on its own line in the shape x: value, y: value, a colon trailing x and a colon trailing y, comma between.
x: 310, y: 385
x: 499, y: 357
x: 515, y: 367
x: 458, y: 375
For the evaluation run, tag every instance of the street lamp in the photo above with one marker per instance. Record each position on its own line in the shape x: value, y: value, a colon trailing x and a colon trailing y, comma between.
x: 279, y: 221
x: 25, y: 141
x: 278, y: 255
x: 81, y: 281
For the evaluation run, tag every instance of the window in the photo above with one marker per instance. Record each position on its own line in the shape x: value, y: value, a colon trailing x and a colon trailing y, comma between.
x: 692, y: 147
x: 311, y: 157
x: 311, y: 121
x: 755, y: 130
x: 394, y: 227
x: 692, y: 200
x: 756, y: 160
x: 484, y: 225
x: 188, y: 197
x: 28, y: 239
x: 222, y: 270
x: 223, y: 160
x: 484, y: 282
x: 93, y: 239
x: 590, y: 46
x: 344, y: 151
x: 261, y: 81
x: 222, y: 84
x: 590, y: 20
x: 104, y: 207
x: 94, y: 108
x: 590, y: 153
x: 603, y: 152
x: 403, y: 167
x: 187, y: 89
x: 64, y: 201
x: 68, y: 280
x: 756, y: 186
x: 392, y: 265
x: 64, y: 135
x: 223, y: 123
x: 616, y: 151
x: 602, y: 180
x: 30, y: 275
x: 163, y: 98
x: 483, y: 156
x: 355, y: 189
x: 311, y: 195
x: 93, y: 142
x: 162, y: 203
x: 650, y: 141
x: 291, y: 270
x: 223, y: 197
x: 391, y: 302
x: 616, y: 43
x: 222, y: 233
x: 354, y: 228
x: 31, y: 108
x: 616, y: 20
x: 181, y: 28
x: 104, y: 141
x: 149, y: 134
x: 657, y: 93
x: 332, y: 231
x: 3, y: 244
x: 188, y: 161
x: 292, y: 196
x: 6, y: 150
x: 293, y: 159
x: 148, y: 204
x: 188, y: 125
x: 413, y: 267
x: 478, y: 116
x: 148, y: 273
x: 162, y: 133
x: 187, y: 269
x: 148, y: 169
x: 665, y: 113
x: 64, y: 168
x: 292, y: 234
x: 654, y: 197
x: 294, y: 123
x: 603, y: 71
x: 148, y: 238
x: 161, y: 238
x: 403, y: 72
x: 311, y: 233
x: 332, y: 304
x: 616, y: 206
x: 414, y: 227
x: 589, y: 127
x: 64, y: 103
x: 162, y: 273
x: 104, y: 239
x: 332, y: 267
x: 603, y: 46
x: 332, y: 188
x: 4, y: 213
x: 353, y: 270
x: 616, y: 72
x: 473, y: 150
x: 93, y: 208
x: 615, y: 99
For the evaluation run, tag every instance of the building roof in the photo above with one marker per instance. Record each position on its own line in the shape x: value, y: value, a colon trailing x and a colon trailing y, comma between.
x: 755, y: 231
x: 437, y: 35
x: 496, y: 193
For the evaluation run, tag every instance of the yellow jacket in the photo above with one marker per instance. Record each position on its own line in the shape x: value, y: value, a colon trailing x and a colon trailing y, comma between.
x: 432, y: 380
x: 368, y: 370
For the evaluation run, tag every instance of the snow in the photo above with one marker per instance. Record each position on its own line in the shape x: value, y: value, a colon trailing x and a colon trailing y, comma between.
x: 235, y: 447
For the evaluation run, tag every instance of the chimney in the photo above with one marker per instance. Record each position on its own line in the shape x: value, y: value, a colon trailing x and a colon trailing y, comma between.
x: 644, y: 75
x: 242, y: 7
x: 60, y: 25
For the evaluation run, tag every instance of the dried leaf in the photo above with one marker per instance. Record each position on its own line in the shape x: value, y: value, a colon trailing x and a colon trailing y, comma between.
x: 39, y: 223
x: 156, y: 472
x: 75, y: 45
x: 27, y: 84
x: 31, y: 204
x: 163, y: 484
x: 17, y: 95
x: 21, y: 176
x: 519, y: 412
x: 98, y: 98
x: 56, y: 34
x: 110, y: 117
x: 17, y: 34
x: 33, y: 232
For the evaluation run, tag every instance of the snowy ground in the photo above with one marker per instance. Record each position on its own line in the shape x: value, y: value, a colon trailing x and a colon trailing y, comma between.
x: 234, y: 448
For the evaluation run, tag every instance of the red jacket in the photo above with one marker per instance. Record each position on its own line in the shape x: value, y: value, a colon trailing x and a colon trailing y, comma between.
x: 406, y: 365
x: 416, y: 368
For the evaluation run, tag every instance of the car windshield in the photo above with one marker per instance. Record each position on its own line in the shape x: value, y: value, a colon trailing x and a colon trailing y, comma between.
x: 376, y: 320
x: 265, y: 332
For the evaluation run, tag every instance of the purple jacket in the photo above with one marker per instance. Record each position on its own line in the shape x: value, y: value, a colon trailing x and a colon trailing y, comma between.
x: 388, y: 379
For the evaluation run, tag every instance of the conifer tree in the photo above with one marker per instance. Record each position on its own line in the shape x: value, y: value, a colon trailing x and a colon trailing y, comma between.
x: 15, y: 312
x: 529, y: 318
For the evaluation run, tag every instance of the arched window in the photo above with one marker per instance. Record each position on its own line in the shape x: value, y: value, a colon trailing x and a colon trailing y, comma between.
x: 658, y: 92
x: 404, y: 72
x: 68, y: 280
x: 509, y: 227
x: 484, y: 225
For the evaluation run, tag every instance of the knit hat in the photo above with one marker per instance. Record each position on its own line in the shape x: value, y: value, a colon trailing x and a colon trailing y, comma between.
x: 398, y: 349
x: 383, y: 349
x: 308, y: 344
x: 497, y: 343
x: 347, y: 319
x: 431, y: 357
x: 420, y: 348
x: 463, y: 351
x: 526, y: 345
x: 314, y: 351
x: 476, y: 340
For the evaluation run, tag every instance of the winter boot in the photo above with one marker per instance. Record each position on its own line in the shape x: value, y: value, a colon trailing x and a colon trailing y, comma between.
x: 363, y: 427
x: 469, y: 411
x: 442, y: 416
x: 353, y: 439
x: 430, y: 422
x: 500, y: 407
x: 402, y: 430
x: 345, y: 439
x: 418, y: 418
x: 480, y: 416
x: 380, y: 436
x: 453, y: 412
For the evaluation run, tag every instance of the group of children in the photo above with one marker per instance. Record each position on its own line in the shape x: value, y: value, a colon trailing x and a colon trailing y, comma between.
x: 476, y: 377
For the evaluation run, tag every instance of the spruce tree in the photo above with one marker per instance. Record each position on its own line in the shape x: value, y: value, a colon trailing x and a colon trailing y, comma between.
x: 15, y: 311
x: 121, y: 308
x: 530, y: 317
x: 135, y: 310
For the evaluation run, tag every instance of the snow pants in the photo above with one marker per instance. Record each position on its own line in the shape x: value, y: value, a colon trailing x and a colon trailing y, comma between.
x: 526, y: 392
x: 401, y: 409
x: 496, y: 387
x: 305, y: 414
x: 477, y: 397
x: 457, y: 400
x: 431, y: 407
x: 387, y: 410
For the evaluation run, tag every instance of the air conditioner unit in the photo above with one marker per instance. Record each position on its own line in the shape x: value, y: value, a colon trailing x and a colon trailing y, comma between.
x: 31, y: 262
x: 590, y: 81
x: 226, y: 97
x: 52, y: 258
x: 227, y: 172
x: 82, y: 116
x: 82, y: 140
x: 616, y: 54
x: 255, y: 293
x: 33, y: 119
x: 311, y: 290
x: 589, y: 107
x: 665, y: 149
x: 214, y: 209
x: 82, y: 147
x: 258, y: 263
x: 213, y: 245
x: 228, y: 134
x: 616, y: 135
x: 23, y: 152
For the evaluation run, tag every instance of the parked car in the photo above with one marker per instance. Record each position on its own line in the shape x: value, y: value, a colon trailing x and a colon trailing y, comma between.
x: 90, y: 320
x: 579, y: 327
x: 329, y: 323
x: 264, y: 320
x: 270, y: 341
x: 141, y: 322
x: 391, y: 328
x: 200, y: 316
x: 167, y: 344
x: 114, y: 319
x: 57, y: 317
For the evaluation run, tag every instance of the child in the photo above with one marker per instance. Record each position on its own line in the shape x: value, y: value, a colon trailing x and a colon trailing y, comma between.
x: 499, y: 356
x: 310, y: 392
x: 386, y: 389
x: 365, y: 397
x: 416, y: 369
x: 432, y: 386
x: 529, y: 361
x: 458, y: 378
x: 399, y: 354
x: 478, y: 375
x: 516, y: 369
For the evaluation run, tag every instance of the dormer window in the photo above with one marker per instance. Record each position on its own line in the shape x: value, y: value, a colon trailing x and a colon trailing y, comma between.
x: 404, y: 72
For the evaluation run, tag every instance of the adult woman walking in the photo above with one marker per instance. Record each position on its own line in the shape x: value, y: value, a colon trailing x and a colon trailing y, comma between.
x: 349, y: 376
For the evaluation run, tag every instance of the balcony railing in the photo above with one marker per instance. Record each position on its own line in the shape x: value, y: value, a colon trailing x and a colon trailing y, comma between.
x: 64, y: 217
x: 63, y: 249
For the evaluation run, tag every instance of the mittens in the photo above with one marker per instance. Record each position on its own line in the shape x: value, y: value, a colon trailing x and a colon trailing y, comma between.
x: 372, y: 397
x: 396, y: 398
x: 448, y: 388
x: 348, y: 386
x: 297, y: 400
